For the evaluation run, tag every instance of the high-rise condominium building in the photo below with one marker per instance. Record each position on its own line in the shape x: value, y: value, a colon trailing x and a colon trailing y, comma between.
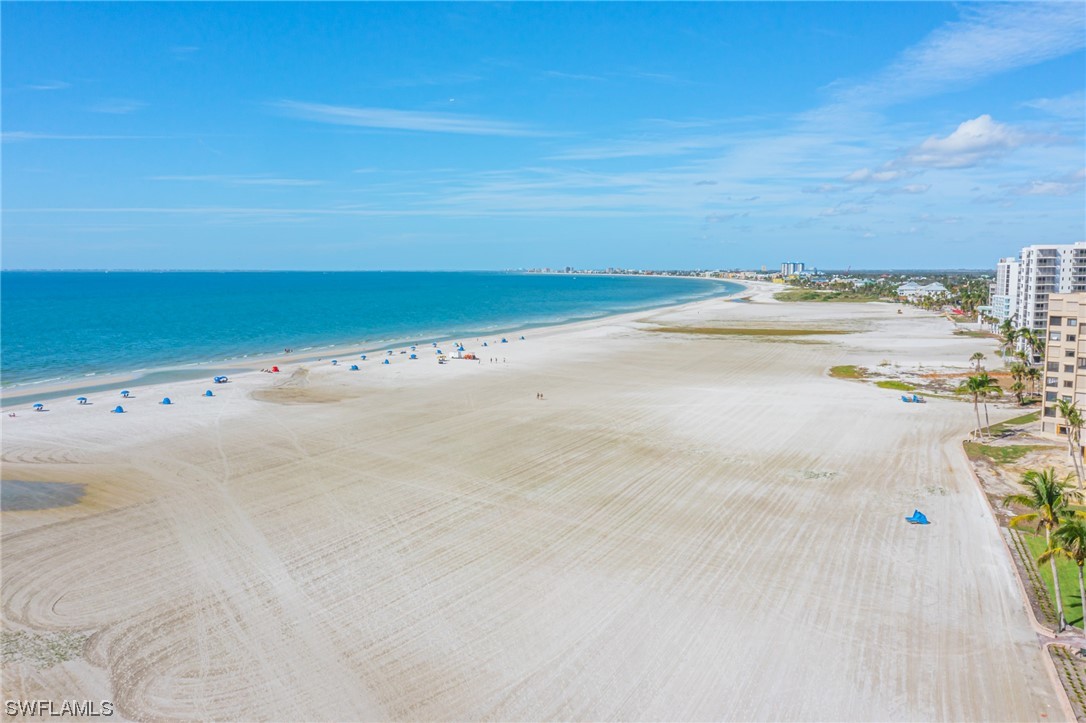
x: 791, y: 268
x: 1023, y: 285
x: 1065, y: 359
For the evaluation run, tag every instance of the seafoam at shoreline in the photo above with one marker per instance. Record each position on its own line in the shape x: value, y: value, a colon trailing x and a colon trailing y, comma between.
x: 27, y: 393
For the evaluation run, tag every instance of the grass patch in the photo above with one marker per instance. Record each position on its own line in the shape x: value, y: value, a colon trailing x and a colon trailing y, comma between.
x: 847, y: 371
x: 1000, y: 455
x: 973, y: 334
x: 1016, y: 422
x: 718, y: 331
x: 894, y: 384
x: 1068, y: 573
x: 810, y: 295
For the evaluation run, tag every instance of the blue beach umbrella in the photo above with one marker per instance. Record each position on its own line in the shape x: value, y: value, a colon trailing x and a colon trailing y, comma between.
x: 433, y: 343
x: 165, y: 400
x: 413, y: 356
x: 504, y: 340
x: 125, y: 393
x: 39, y: 406
x: 437, y: 351
x: 362, y: 357
x: 385, y: 361
x: 412, y: 348
x: 118, y: 409
x: 209, y: 393
x: 354, y: 367
x: 335, y: 361
x: 81, y: 400
x: 390, y: 352
x: 522, y: 338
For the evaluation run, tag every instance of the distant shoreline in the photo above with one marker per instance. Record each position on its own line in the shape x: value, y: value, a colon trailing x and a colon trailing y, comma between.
x: 22, y: 393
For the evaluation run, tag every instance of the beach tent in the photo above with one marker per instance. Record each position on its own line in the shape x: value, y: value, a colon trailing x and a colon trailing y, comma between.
x: 385, y: 361
x: 165, y: 400
x: 221, y: 380
x: 905, y: 398
x: 125, y: 393
x: 118, y: 409
x: 917, y: 518
x: 38, y: 407
x: 209, y: 393
x: 504, y: 340
x: 437, y: 351
x: 918, y: 400
x: 413, y: 356
x: 81, y: 400
x: 275, y: 369
x: 354, y: 367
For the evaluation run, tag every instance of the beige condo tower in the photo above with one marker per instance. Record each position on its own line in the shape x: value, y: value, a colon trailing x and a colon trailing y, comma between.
x: 1065, y: 359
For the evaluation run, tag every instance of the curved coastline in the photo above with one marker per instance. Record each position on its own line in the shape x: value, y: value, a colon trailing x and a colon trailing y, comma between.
x: 24, y: 393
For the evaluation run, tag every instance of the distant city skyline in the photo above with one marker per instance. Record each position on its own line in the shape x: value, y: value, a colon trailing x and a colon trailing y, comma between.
x: 270, y: 136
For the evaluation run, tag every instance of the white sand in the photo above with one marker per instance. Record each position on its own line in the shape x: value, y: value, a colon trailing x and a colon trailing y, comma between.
x: 685, y: 528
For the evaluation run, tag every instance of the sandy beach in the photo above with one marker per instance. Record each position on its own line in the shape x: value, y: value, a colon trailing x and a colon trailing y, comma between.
x: 687, y: 526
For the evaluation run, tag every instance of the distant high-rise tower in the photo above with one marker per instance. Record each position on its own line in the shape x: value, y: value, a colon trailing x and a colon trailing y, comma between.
x: 791, y: 268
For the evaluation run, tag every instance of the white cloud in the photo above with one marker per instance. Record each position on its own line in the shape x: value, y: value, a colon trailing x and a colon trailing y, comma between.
x: 973, y: 142
x: 1072, y: 105
x: 843, y: 209
x: 866, y: 175
x: 401, y: 119
x: 988, y: 40
x: 49, y: 85
x: 911, y: 188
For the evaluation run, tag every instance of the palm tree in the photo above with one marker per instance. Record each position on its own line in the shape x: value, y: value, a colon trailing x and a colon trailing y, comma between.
x: 1072, y: 417
x: 1034, y: 376
x: 1050, y: 499
x: 1017, y: 389
x: 981, y: 386
x: 1070, y: 538
x: 1009, y: 333
x: 1034, y: 342
x: 977, y: 358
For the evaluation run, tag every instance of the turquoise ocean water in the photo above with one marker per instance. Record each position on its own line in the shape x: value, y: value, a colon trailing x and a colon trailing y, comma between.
x: 69, y: 327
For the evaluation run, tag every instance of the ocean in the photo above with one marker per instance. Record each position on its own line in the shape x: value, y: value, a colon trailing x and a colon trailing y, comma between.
x: 70, y: 327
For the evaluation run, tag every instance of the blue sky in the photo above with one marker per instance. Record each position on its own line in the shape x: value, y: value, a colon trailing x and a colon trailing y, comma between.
x: 482, y: 136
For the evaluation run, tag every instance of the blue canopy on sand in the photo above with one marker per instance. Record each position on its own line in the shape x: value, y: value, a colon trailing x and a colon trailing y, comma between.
x: 80, y: 399
x: 125, y: 393
x: 385, y: 361
x: 118, y: 409
x: 165, y: 400
x: 39, y: 405
x: 209, y: 393
x: 354, y: 367
x: 413, y: 356
x: 362, y: 356
x: 917, y: 518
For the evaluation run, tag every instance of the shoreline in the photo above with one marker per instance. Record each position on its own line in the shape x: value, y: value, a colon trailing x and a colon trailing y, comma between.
x: 25, y: 393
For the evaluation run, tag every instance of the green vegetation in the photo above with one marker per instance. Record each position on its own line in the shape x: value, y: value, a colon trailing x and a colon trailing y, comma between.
x: 1048, y: 499
x: 974, y: 334
x: 1016, y: 422
x: 847, y: 371
x: 1067, y: 571
x: 1003, y: 454
x: 853, y: 297
x: 894, y: 384
x: 724, y: 331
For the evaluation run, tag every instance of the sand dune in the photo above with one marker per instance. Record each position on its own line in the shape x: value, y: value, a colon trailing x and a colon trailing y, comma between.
x: 686, y: 527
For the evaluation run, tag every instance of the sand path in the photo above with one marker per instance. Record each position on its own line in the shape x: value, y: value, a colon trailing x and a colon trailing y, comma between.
x: 685, y: 528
